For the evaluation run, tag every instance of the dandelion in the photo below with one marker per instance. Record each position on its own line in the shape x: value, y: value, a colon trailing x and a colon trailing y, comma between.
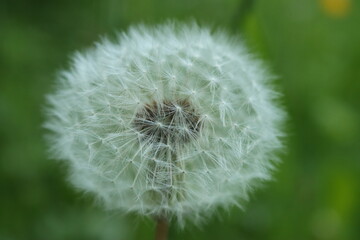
x: 336, y: 8
x: 170, y: 122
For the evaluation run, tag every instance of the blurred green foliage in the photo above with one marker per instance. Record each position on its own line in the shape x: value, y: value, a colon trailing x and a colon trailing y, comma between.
x: 314, y: 48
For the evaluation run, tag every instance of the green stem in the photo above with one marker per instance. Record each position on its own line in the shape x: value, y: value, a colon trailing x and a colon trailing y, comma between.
x: 243, y: 10
x: 162, y: 229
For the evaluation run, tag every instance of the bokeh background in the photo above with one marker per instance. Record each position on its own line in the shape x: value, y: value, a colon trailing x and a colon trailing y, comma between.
x: 312, y: 45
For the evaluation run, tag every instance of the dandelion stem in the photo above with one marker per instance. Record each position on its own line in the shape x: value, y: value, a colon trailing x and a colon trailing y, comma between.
x: 162, y: 228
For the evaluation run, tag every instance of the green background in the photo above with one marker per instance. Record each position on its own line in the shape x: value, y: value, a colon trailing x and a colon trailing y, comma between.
x: 316, y: 54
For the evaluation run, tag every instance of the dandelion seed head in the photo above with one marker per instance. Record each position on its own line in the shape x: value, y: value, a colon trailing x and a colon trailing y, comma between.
x: 171, y: 121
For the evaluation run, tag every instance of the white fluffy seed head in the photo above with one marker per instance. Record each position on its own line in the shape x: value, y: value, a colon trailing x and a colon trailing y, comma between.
x: 170, y: 121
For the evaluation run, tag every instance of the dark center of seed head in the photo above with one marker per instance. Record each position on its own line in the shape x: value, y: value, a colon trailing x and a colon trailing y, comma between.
x: 168, y: 122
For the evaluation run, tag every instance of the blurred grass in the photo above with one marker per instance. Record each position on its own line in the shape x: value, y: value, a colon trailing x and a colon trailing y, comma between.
x: 313, y: 46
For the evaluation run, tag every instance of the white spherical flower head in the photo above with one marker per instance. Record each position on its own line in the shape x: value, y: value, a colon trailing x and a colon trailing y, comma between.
x: 172, y: 121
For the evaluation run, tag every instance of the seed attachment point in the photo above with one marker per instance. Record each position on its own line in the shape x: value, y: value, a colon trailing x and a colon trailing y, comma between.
x: 169, y: 122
